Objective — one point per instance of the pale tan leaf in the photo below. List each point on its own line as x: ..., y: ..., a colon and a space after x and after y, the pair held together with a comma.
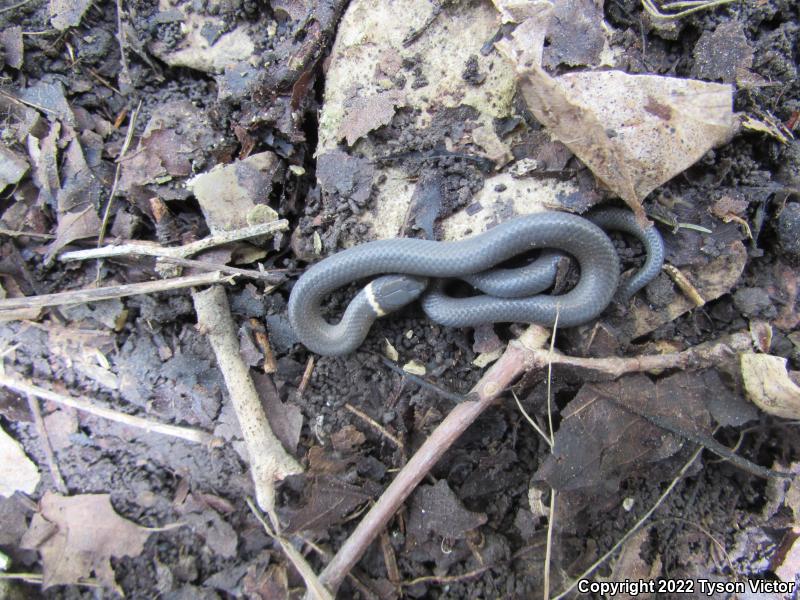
x: 17, y: 472
x: 77, y: 536
x: 768, y: 385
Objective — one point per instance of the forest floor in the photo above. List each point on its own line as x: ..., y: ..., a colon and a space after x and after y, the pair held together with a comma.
x: 113, y: 117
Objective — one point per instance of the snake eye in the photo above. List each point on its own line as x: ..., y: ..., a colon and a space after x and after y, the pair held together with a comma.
x: 393, y: 291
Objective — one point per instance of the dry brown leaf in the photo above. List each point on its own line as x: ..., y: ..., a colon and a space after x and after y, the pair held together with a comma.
x: 77, y: 536
x: 635, y: 132
x: 362, y: 115
x: 769, y: 386
x: 17, y: 472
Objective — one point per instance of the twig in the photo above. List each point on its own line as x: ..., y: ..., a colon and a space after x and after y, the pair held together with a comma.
x: 375, y: 425
x: 121, y: 41
x: 55, y: 472
x: 423, y: 383
x: 306, y: 376
x: 92, y: 407
x: 690, y: 7
x: 13, y: 6
x: 117, y: 172
x: 269, y: 461
x: 262, y: 339
x: 633, y: 529
x: 549, y: 546
x: 17, y: 233
x: 109, y: 292
x: 499, y: 376
x: 705, y: 441
x: 530, y: 420
x: 551, y: 518
x: 686, y: 286
x: 142, y: 248
x: 603, y: 369
x: 312, y: 582
x: 270, y: 276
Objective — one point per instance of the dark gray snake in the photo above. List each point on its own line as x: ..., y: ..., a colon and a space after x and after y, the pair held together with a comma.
x: 509, y: 295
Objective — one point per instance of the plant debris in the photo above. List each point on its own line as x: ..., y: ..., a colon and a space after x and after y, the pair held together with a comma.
x: 78, y: 535
x: 17, y: 471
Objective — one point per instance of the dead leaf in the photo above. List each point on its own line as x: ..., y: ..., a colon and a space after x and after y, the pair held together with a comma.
x: 17, y: 471
x: 629, y: 565
x: 576, y: 34
x: 67, y: 13
x: 176, y: 136
x: 349, y: 176
x: 49, y: 98
x: 722, y: 54
x: 347, y: 439
x: 363, y: 114
x: 436, y: 509
x: 635, y: 132
x: 74, y: 226
x: 11, y: 45
x: 328, y: 501
x: 77, y: 536
x: 285, y: 418
x: 12, y: 167
x: 208, y: 45
x: 599, y: 442
x: 769, y: 386
x: 228, y: 194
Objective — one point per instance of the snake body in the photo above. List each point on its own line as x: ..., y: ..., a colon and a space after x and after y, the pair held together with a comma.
x: 511, y: 295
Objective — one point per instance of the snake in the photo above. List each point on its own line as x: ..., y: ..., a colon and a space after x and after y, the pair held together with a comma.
x: 406, y: 266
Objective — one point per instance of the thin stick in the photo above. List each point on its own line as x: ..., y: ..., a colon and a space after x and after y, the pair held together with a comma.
x: 499, y: 376
x: 117, y: 172
x: 58, y: 480
x: 549, y: 545
x: 112, y: 291
x: 13, y: 6
x: 18, y: 233
x: 638, y: 525
x: 550, y: 379
x: 653, y: 10
x: 551, y: 519
x: 530, y: 420
x: 270, y: 276
x: 306, y: 376
x: 312, y: 582
x: 375, y: 425
x: 142, y: 248
x: 92, y: 407
x: 269, y: 461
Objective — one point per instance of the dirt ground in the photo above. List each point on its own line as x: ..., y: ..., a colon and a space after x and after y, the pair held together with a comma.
x: 102, y: 100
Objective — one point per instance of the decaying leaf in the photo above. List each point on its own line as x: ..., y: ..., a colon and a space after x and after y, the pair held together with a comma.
x: 436, y: 509
x: 630, y: 566
x: 363, y: 114
x: 77, y: 536
x: 769, y: 385
x: 328, y: 501
x: 599, y: 442
x: 228, y: 194
x: 723, y: 53
x: 635, y: 132
x: 12, y: 167
x: 67, y: 13
x: 11, y: 45
x: 208, y: 44
x: 17, y: 471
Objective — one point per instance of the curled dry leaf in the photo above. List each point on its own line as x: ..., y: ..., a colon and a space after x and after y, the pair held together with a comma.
x: 17, y: 472
x: 635, y: 132
x: 78, y: 535
x: 769, y: 386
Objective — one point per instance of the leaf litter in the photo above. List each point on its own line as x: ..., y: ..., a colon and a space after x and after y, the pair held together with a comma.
x: 77, y: 536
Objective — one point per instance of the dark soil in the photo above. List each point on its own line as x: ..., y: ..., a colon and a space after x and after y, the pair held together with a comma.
x: 485, y: 539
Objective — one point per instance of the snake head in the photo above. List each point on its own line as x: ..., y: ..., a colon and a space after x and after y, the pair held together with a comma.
x: 391, y: 292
